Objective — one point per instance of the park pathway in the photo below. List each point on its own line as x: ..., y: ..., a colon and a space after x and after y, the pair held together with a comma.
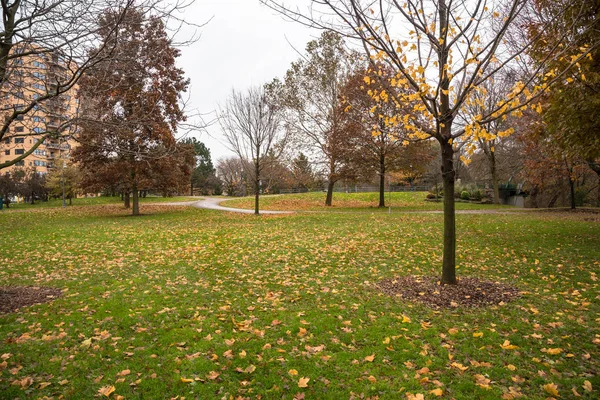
x: 213, y: 203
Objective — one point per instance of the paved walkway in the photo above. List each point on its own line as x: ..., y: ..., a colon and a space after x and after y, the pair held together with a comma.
x: 212, y: 203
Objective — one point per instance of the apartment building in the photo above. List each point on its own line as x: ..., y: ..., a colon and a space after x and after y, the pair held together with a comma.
x: 29, y: 78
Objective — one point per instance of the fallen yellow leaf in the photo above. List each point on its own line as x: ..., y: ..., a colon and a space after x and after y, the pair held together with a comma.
x: 303, y: 382
x: 587, y: 385
x: 106, y: 390
x: 370, y: 358
x: 551, y: 388
x: 507, y: 346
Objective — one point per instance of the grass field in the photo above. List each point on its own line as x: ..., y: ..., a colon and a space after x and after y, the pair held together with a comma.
x: 315, y: 201
x: 92, y: 201
x: 208, y: 305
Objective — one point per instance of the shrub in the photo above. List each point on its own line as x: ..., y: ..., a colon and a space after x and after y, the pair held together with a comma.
x: 464, y: 195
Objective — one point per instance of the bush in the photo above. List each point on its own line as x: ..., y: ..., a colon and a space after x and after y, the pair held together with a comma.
x: 476, y: 195
x: 464, y: 195
x: 580, y: 197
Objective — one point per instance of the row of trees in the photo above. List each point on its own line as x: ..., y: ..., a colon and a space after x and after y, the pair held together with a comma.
x: 323, y: 109
x: 433, y: 65
x: 119, y: 59
x: 29, y: 185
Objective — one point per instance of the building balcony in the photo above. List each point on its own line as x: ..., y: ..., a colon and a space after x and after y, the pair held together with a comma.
x: 57, y: 146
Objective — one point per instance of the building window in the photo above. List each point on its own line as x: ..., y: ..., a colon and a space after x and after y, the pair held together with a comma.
x: 19, y: 140
x: 19, y: 129
x: 38, y: 130
x: 7, y: 152
x: 39, y: 163
x: 39, y: 64
x: 19, y: 151
x: 6, y: 141
x: 20, y: 163
x: 40, y: 152
x: 38, y: 119
x: 39, y: 75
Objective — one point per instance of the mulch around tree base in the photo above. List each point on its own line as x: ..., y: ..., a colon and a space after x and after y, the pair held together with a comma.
x: 469, y: 292
x: 14, y: 297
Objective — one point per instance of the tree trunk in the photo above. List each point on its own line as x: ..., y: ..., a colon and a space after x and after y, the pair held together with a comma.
x: 382, y: 181
x: 494, y: 172
x: 449, y: 261
x: 136, y: 201
x: 191, y: 188
x: 329, y: 198
x: 596, y: 168
x: 256, y: 186
x: 127, y: 201
x: 572, y: 187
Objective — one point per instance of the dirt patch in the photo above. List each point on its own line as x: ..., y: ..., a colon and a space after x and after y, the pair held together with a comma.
x: 14, y: 297
x: 469, y: 292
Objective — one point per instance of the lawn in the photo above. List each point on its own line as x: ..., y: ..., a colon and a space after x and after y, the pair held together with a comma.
x: 89, y: 201
x: 203, y: 304
x: 348, y: 202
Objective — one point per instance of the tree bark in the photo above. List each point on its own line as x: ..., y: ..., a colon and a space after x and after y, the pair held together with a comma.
x: 449, y: 261
x: 382, y: 181
x: 127, y: 201
x: 572, y: 187
x: 135, y: 210
x: 329, y: 198
x: 256, y: 186
x: 494, y: 172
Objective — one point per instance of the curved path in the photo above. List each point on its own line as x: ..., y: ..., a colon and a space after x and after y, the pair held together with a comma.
x: 212, y: 203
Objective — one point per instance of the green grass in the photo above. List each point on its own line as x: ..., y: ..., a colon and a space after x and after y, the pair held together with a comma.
x: 348, y: 202
x: 163, y: 295
x: 92, y: 201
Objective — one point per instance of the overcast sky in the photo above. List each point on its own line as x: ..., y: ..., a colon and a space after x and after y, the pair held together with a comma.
x: 244, y: 44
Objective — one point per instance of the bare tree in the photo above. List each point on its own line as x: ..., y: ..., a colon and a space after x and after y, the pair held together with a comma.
x: 251, y: 126
x: 310, y: 94
x: 232, y: 172
x: 444, y: 50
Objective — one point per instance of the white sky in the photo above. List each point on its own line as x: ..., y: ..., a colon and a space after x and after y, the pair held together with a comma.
x: 244, y: 44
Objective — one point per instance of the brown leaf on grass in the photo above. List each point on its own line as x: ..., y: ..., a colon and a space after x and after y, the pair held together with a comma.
x: 212, y: 375
x: 106, y: 390
x: 303, y: 382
